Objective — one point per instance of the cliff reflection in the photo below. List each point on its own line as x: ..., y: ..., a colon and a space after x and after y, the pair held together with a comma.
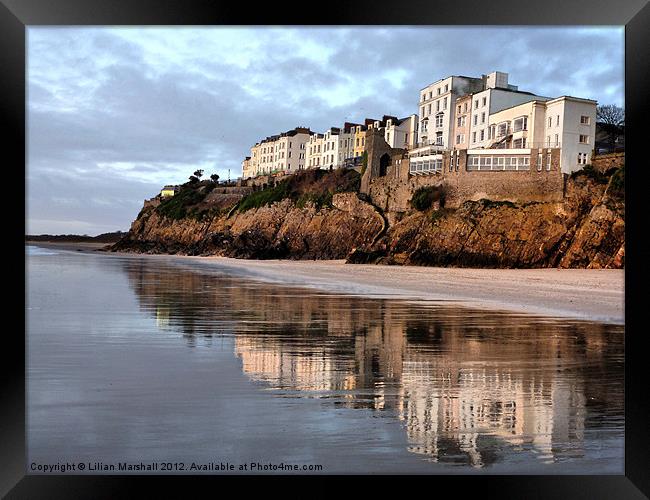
x: 465, y: 383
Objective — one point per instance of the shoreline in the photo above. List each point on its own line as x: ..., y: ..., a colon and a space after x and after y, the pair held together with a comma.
x: 583, y: 294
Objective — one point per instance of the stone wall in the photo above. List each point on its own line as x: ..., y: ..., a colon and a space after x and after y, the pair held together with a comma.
x: 393, y: 192
x: 607, y: 161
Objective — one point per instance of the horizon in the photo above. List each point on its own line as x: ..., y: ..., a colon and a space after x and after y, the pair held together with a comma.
x: 116, y: 113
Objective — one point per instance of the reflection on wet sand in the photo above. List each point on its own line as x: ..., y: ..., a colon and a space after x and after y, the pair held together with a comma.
x: 467, y: 384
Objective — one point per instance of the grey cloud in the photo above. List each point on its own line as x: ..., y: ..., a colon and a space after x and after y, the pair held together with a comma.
x: 96, y: 98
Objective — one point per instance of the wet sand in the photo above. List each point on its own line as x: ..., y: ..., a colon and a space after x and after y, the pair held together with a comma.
x: 588, y: 294
x: 75, y: 246
x: 591, y: 294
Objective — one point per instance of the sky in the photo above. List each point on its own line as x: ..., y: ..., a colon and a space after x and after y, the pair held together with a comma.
x: 114, y: 113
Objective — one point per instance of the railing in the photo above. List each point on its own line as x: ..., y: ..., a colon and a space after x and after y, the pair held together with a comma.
x: 423, y: 167
x: 529, y: 145
x: 428, y: 142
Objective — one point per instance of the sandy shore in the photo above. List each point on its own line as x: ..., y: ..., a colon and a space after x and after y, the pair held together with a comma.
x: 588, y: 294
x: 81, y: 246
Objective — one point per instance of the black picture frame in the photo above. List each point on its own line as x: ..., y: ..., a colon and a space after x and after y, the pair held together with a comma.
x: 17, y: 15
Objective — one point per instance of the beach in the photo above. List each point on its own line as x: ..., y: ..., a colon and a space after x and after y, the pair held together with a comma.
x: 591, y: 294
x: 355, y: 368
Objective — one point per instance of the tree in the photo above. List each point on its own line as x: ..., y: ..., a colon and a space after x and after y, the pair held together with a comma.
x: 215, y: 177
x: 611, y: 119
x: 610, y: 114
x: 198, y: 173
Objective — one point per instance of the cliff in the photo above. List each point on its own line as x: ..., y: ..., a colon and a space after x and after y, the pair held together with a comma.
x: 320, y: 215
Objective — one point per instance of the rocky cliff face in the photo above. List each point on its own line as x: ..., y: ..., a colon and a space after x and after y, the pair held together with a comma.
x: 282, y: 230
x: 586, y: 230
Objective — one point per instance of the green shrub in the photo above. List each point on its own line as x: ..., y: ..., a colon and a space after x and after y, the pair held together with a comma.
x: 425, y: 196
x: 314, y: 185
x: 617, y: 182
x: 590, y: 172
x: 318, y: 199
x: 175, y: 207
x: 266, y: 196
x: 439, y: 214
x: 493, y: 204
x: 364, y: 162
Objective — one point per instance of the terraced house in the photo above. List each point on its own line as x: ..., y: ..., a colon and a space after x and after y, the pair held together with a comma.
x: 477, y: 123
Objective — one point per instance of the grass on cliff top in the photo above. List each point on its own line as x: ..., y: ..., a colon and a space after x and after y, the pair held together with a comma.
x: 316, y: 186
x: 180, y: 205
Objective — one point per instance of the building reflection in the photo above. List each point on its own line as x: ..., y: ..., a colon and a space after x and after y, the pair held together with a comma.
x: 466, y: 384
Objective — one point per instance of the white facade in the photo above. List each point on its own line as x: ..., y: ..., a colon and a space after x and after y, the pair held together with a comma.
x: 401, y: 133
x: 573, y: 121
x: 330, y: 156
x: 346, y: 146
x: 279, y: 153
x: 314, y: 151
x: 568, y: 123
x: 437, y: 108
x: 290, y: 152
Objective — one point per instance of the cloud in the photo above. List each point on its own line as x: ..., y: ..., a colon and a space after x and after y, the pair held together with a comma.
x: 114, y: 113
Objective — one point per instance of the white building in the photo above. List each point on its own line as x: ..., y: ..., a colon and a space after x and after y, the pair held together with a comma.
x: 566, y: 122
x: 437, y: 108
x: 401, y: 132
x: 289, y: 150
x: 572, y: 121
x: 497, y: 95
x: 314, y: 153
x: 346, y: 144
x: 330, y: 156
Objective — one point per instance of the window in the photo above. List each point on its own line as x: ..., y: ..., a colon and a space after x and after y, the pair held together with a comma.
x: 473, y: 136
x: 520, y: 123
x: 540, y: 161
x: 444, y: 103
x: 422, y: 111
x: 439, y: 138
x: 557, y: 121
x: 484, y: 101
x: 517, y: 144
x: 482, y: 135
x: 475, y: 119
x: 447, y: 88
x: 459, y: 110
x: 429, y: 109
x: 584, y: 120
x: 458, y: 122
x: 465, y: 106
x: 584, y: 139
x: 548, y: 140
x: 483, y: 117
x: 458, y: 139
x: 437, y: 105
x: 550, y: 121
x: 582, y: 158
x: 439, y: 117
x: 503, y: 129
x: 557, y: 140
x: 438, y: 90
x: 476, y: 104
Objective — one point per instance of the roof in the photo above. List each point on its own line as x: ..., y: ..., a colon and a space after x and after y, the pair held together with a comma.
x: 452, y: 76
x: 571, y: 98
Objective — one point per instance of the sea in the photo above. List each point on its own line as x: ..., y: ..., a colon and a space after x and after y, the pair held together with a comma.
x: 153, y: 365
